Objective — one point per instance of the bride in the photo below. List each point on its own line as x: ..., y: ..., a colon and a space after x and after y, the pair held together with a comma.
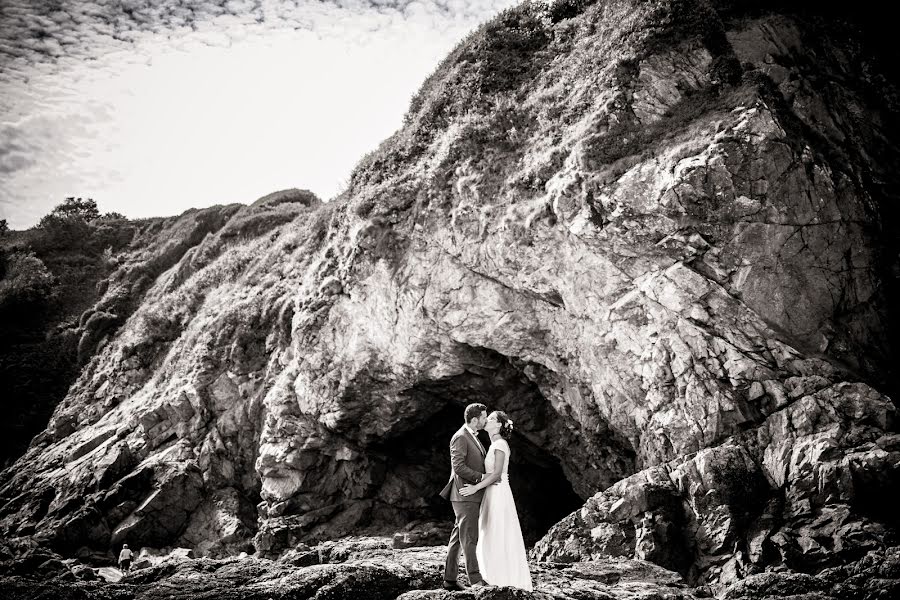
x: 500, y: 549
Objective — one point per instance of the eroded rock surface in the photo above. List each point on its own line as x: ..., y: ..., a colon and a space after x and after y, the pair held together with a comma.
x: 658, y: 235
x: 796, y: 492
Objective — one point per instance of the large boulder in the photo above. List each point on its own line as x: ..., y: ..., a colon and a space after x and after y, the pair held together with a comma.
x: 809, y: 488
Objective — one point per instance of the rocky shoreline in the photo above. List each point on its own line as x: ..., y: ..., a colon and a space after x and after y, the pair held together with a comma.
x: 371, y: 569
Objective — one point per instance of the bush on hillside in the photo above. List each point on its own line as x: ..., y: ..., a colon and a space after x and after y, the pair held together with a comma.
x: 504, y: 50
x: 161, y: 325
x: 114, y: 234
x: 67, y: 225
x: 497, y: 57
x: 58, y: 233
x: 26, y: 281
x: 566, y: 9
x: 77, y: 225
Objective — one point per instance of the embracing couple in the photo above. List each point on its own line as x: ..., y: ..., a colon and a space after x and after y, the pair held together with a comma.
x: 487, y: 524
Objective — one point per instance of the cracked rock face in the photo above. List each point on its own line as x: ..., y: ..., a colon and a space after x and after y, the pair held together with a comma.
x: 798, y: 490
x: 661, y: 244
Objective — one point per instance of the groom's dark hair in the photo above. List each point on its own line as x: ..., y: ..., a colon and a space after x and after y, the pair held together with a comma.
x: 473, y: 410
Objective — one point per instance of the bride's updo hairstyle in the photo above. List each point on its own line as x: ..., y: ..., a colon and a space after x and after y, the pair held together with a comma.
x: 506, y: 424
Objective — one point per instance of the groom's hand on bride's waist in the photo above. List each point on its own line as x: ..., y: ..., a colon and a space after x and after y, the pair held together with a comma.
x: 467, y: 490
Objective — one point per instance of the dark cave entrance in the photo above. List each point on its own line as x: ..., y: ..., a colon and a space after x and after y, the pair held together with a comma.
x: 547, y: 449
x: 542, y: 492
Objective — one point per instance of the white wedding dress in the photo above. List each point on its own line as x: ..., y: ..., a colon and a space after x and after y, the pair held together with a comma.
x: 500, y: 549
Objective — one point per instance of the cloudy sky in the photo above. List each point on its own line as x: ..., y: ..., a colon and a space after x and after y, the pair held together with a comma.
x: 154, y: 106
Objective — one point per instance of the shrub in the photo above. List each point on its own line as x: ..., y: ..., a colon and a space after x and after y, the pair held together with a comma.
x: 161, y: 325
x: 27, y: 281
x: 566, y: 9
x: 77, y: 225
x: 112, y: 234
x: 497, y: 57
x: 58, y: 232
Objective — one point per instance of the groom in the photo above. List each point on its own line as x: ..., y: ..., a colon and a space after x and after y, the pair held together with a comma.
x: 467, y: 461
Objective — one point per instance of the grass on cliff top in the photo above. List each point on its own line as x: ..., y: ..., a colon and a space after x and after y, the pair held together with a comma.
x: 525, y: 45
x: 509, y: 55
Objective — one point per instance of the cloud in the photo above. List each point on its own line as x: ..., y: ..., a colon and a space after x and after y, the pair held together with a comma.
x: 152, y: 107
x: 18, y: 150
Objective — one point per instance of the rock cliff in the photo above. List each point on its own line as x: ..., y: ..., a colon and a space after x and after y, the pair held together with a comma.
x: 659, y: 235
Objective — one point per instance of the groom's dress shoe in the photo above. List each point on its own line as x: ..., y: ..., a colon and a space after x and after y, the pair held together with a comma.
x: 479, y: 584
x: 453, y: 586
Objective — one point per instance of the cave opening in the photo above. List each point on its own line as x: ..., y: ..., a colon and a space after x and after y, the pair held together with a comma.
x: 546, y: 473
x: 542, y: 492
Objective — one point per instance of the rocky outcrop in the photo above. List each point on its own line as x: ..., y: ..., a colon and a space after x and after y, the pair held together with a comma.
x: 655, y: 234
x: 152, y: 493
x: 99, y: 273
x: 809, y: 487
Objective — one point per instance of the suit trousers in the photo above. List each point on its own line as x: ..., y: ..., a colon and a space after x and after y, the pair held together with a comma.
x: 464, y: 535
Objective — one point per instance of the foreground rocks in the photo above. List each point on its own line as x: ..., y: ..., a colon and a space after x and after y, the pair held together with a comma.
x: 367, y: 568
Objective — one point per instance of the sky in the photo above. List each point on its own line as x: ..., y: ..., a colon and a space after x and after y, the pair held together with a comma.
x: 151, y: 107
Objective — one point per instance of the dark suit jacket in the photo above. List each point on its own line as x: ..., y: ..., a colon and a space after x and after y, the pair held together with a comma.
x: 467, y: 466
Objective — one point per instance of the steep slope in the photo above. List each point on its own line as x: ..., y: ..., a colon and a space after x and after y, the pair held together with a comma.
x: 658, y: 234
x: 59, y: 322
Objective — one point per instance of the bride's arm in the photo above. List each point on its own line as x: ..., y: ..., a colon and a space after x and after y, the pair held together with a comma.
x: 490, y: 478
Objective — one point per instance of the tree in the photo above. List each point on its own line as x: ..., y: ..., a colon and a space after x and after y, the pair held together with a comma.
x: 77, y: 225
x: 68, y: 225
x: 4, y: 227
x: 73, y: 209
